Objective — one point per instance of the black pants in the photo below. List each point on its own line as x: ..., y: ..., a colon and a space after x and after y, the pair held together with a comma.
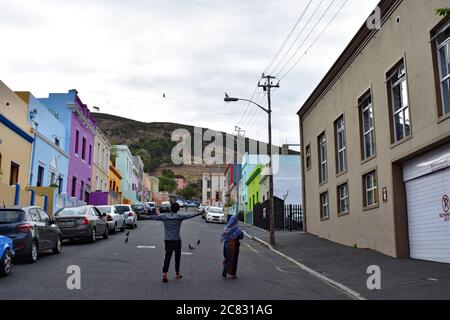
x: 172, y: 246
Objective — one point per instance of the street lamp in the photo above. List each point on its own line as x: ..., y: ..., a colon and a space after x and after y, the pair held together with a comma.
x: 271, y: 202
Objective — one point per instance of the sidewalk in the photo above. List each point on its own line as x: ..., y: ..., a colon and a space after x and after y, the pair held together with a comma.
x: 400, y: 278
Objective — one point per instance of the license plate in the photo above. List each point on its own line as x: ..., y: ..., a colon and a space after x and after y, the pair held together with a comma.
x: 66, y: 224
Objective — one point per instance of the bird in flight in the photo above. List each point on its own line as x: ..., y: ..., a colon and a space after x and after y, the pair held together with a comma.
x: 164, y: 95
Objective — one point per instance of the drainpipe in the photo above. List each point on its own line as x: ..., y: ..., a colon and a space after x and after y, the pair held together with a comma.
x: 17, y: 195
x: 33, y: 151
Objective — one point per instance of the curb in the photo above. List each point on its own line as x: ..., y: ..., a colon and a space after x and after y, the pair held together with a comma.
x: 346, y: 290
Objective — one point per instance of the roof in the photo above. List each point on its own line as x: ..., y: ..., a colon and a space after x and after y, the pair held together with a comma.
x: 353, y: 49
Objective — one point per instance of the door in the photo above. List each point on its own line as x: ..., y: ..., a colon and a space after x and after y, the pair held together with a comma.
x: 49, y: 234
x: 14, y: 174
x: 39, y: 229
x: 427, y: 184
x: 101, y: 221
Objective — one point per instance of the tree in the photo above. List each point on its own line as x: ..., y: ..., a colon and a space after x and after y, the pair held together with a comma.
x: 443, y: 12
x: 190, y: 192
x: 167, y: 184
x: 168, y: 173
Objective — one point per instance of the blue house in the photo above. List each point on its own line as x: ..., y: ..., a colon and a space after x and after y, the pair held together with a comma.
x: 50, y: 153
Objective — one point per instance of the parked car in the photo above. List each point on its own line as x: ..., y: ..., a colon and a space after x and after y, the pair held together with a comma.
x: 153, y: 209
x: 192, y: 204
x: 202, y: 209
x: 165, y: 207
x: 31, y: 230
x: 6, y: 256
x: 85, y: 222
x: 181, y: 203
x: 128, y: 214
x: 114, y: 219
x: 215, y: 214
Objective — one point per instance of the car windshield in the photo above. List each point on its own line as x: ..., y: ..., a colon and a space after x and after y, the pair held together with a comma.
x: 68, y: 212
x: 104, y: 209
x: 122, y: 209
x: 216, y: 210
x: 13, y: 216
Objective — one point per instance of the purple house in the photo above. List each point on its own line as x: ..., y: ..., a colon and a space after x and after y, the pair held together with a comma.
x: 80, y: 126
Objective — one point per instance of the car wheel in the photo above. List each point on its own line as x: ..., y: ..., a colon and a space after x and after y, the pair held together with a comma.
x: 93, y: 237
x: 6, y: 264
x: 33, y: 254
x: 114, y: 231
x: 106, y: 234
x: 57, y: 249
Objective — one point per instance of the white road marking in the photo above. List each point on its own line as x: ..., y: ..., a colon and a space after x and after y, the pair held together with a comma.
x: 353, y: 294
x: 186, y: 254
x: 433, y: 279
x: 146, y: 247
x: 251, y: 248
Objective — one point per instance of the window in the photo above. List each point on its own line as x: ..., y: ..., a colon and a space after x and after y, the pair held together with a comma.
x: 77, y: 141
x: 308, y: 157
x: 343, y: 199
x: 324, y: 207
x: 52, y: 178
x: 83, y: 149
x: 81, y: 190
x: 323, y: 165
x: 341, y: 146
x: 443, y: 48
x: 14, y: 174
x: 90, y: 154
x: 60, y: 185
x: 367, y: 127
x: 399, y: 106
x: 74, y: 187
x: 43, y: 216
x: 40, y: 177
x: 370, y: 189
x: 98, y: 152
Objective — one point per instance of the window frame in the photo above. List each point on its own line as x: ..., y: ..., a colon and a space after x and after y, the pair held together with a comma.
x: 394, y: 72
x: 337, y: 131
x: 374, y: 189
x: 77, y: 142
x: 339, y: 199
x: 443, y: 79
x: 363, y: 132
x: 324, y: 205
x: 323, y: 158
x: 308, y: 157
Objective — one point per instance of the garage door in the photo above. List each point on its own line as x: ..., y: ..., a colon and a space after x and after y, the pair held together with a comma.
x: 427, y: 182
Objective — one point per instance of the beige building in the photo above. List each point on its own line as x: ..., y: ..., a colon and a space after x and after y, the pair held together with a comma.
x: 375, y: 136
x: 100, y: 169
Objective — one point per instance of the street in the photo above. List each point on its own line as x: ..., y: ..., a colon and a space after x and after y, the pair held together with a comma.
x: 114, y: 270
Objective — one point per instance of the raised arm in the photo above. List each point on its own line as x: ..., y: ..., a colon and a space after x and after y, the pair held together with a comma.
x: 154, y: 218
x: 189, y: 216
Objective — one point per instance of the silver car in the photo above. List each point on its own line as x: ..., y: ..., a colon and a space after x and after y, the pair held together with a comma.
x: 128, y: 214
x: 115, y: 220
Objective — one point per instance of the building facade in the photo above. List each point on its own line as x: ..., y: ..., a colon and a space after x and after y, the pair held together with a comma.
x: 15, y: 139
x: 81, y: 128
x: 213, y: 189
x: 124, y: 163
x: 100, y: 169
x: 375, y: 134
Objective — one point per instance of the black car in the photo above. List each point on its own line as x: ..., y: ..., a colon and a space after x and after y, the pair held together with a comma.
x: 31, y: 230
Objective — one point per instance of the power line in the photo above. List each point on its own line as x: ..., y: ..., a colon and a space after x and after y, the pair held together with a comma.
x: 307, y: 37
x: 289, y: 35
x: 298, y: 36
x: 248, y: 106
x: 315, y: 41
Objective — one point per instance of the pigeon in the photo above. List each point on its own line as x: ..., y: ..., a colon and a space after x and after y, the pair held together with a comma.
x: 126, y: 240
x: 164, y: 95
x: 191, y: 247
x: 198, y: 242
x: 128, y: 233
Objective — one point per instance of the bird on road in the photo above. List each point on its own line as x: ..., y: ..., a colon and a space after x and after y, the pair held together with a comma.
x: 191, y: 247
x: 198, y: 242
x: 128, y: 233
x: 126, y: 240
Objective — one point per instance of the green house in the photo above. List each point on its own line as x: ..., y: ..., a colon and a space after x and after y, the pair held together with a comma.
x: 253, y: 186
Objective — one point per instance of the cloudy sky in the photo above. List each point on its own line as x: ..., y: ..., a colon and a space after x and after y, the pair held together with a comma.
x: 122, y: 56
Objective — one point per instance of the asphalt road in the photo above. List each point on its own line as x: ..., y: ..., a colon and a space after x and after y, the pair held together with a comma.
x: 115, y: 270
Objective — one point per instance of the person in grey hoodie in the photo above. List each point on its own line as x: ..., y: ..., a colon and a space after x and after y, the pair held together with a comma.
x: 172, y: 225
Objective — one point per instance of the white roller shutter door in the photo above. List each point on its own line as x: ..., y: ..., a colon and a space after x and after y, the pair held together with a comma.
x: 427, y: 182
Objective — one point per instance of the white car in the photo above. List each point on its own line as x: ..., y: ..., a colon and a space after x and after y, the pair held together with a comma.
x: 115, y: 220
x: 215, y: 214
x: 128, y: 214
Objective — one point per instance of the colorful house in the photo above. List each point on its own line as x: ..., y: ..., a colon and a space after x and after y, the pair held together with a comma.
x: 249, y: 163
x: 15, y: 144
x: 253, y: 187
x: 114, y: 182
x: 233, y: 176
x: 123, y: 161
x: 100, y: 170
x: 139, y: 165
x: 81, y: 126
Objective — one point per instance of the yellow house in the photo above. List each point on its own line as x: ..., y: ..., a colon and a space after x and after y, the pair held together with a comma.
x: 100, y: 169
x: 15, y: 139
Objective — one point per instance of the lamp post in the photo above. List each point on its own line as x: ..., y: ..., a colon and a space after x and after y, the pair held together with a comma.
x: 268, y: 111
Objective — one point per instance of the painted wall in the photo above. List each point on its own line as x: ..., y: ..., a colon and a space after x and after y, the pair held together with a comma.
x: 253, y: 188
x: 124, y: 163
x: 51, y: 148
x: 100, y: 169
x: 76, y: 117
x: 15, y: 135
x: 115, y: 178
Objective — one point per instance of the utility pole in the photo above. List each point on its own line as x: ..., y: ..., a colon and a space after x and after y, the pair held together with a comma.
x: 238, y: 132
x: 267, y: 87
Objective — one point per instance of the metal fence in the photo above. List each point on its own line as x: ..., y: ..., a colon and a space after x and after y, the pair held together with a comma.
x: 287, y: 217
